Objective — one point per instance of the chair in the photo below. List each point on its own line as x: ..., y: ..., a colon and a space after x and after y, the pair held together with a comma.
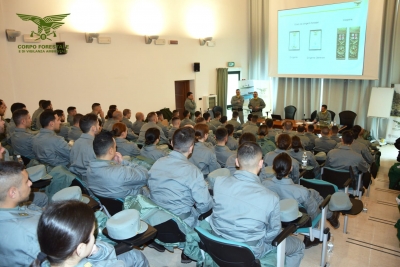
x: 333, y: 114
x: 343, y: 180
x: 290, y: 111
x: 226, y: 253
x: 217, y: 108
x: 313, y: 115
x: 112, y: 205
x: 169, y: 232
x: 347, y: 118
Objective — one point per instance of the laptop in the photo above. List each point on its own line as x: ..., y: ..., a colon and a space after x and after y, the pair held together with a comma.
x: 276, y: 117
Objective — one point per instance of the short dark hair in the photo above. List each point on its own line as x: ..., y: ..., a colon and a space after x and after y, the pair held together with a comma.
x: 220, y: 134
x: 300, y: 128
x: 69, y: 109
x: 112, y: 107
x: 41, y: 103
x: 284, y: 141
x: 229, y: 128
x: 247, y: 137
x: 347, y: 137
x: 151, y: 115
x: 254, y: 118
x: 175, y: 111
x: 310, y: 128
x: 126, y: 112
x: 288, y: 125
x: 188, y: 94
x: 19, y: 115
x: 325, y: 130
x: 94, y: 105
x: 356, y: 131
x: 269, y: 123
x: 46, y: 104
x: 235, y: 114
x: 110, y: 113
x: 249, y: 154
x: 183, y: 139
x: 151, y: 135
x: 223, y: 119
x: 59, y: 112
x: 16, y: 106
x: 296, y: 143
x: 197, y: 113
x: 200, y: 119
x: 46, y: 117
x: 159, y: 113
x: 102, y: 143
x: 206, y: 115
x: 10, y: 175
x: 86, y: 122
x: 325, y: 106
x: 174, y: 119
x: 249, y: 117
x: 281, y: 165
x: 217, y: 114
x: 263, y: 130
x: 335, y: 129
x: 78, y: 117
x: 185, y: 113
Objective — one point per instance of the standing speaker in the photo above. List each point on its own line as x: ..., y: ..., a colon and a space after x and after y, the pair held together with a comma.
x: 196, y: 67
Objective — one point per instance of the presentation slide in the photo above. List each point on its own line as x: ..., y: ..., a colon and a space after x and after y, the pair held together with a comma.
x: 328, y: 39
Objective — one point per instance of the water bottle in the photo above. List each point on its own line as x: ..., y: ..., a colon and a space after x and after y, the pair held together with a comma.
x: 330, y: 245
x: 330, y: 252
x: 304, y: 160
x: 19, y: 160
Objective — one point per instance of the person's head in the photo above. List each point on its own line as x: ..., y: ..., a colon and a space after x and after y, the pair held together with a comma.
x: 324, y: 108
x: 310, y: 128
x: 71, y: 111
x: 247, y: 137
x: 139, y: 116
x: 117, y: 115
x: 41, y: 103
x: 262, y: 130
x: 235, y: 114
x: 77, y: 119
x: 176, y: 122
x: 17, y: 106
x: 21, y: 118
x: 334, y: 129
x: 66, y: 232
x: 15, y: 185
x: 88, y: 123
x: 110, y: 113
x: 197, y: 114
x: 200, y: 120
x: 160, y: 116
x: 186, y: 114
x: 127, y: 113
x: 254, y: 118
x: 255, y: 94
x: 296, y: 143
x: 269, y: 123
x: 114, y: 107
x: 284, y: 141
x: 301, y: 129
x: 119, y: 130
x: 356, y: 131
x: 96, y: 108
x: 288, y: 125
x: 201, y: 132
x: 47, y: 105
x: 50, y: 120
x: 189, y: 95
x: 104, y: 145
x: 223, y: 119
x: 183, y: 140
x: 3, y: 108
x: 249, y: 157
x: 152, y: 136
x: 249, y: 117
x: 238, y: 92
x: 325, y: 131
x: 175, y: 113
x: 230, y: 129
x: 221, y: 135
x: 282, y: 165
x: 206, y: 116
x: 60, y: 114
x: 347, y: 137
x: 217, y: 115
x: 152, y: 117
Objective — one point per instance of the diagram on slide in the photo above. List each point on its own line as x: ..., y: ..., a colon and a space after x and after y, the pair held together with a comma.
x: 315, y: 40
x: 294, y: 40
x: 341, y: 43
x: 354, y: 43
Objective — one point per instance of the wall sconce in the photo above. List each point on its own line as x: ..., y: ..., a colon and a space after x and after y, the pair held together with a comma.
x: 90, y: 36
x: 12, y: 34
x: 148, y: 39
x: 205, y: 40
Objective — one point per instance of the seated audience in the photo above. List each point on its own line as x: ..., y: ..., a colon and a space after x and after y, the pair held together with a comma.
x: 186, y: 119
x: 287, y: 129
x: 223, y: 121
x: 71, y: 113
x: 126, y: 118
x: 45, y: 105
x: 178, y: 185
x: 211, y: 126
x: 272, y: 132
x: 10, y: 126
x: 21, y: 139
x: 325, y: 143
x: 115, y: 116
x: 216, y: 121
x: 334, y: 134
x: 240, y: 213
x: 360, y: 139
x: 96, y: 110
x: 159, y: 123
x: 310, y: 134
x: 137, y: 125
x: 36, y: 114
x: 221, y: 150
x: 197, y: 115
x: 305, y: 141
x: 232, y: 143
x: 111, y: 176
x: 361, y: 148
x: 248, y: 120
x: 263, y: 141
x: 252, y: 126
x: 210, y: 141
x: 296, y: 152
x: 75, y: 131
x: 47, y: 146
x: 234, y: 121
x: 152, y: 123
x: 126, y: 148
x: 64, y: 127
x: 175, y: 122
x: 231, y: 161
x: 150, y: 149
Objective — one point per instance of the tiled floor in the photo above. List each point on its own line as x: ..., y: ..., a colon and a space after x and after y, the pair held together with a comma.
x: 371, y: 239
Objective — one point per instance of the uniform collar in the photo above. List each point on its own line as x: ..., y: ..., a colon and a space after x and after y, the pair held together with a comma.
x: 282, y: 181
x: 44, y: 130
x: 86, y: 136
x: 178, y: 155
x: 246, y: 176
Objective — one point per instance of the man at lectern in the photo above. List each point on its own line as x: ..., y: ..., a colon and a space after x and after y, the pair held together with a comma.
x: 324, y: 116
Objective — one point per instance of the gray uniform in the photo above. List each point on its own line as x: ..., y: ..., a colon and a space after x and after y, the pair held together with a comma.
x: 232, y: 143
x: 251, y: 128
x: 272, y: 133
x: 342, y: 157
x: 186, y: 121
x: 211, y: 127
x: 177, y: 185
x: 336, y: 138
x: 215, y: 122
x: 269, y: 158
x: 109, y: 179
x: 204, y: 158
x: 240, y: 215
x: 236, y: 125
x: 38, y: 125
x: 70, y: 119
x: 253, y: 103
x: 324, y: 144
x: 312, y: 138
x: 127, y: 122
x: 21, y: 141
x: 266, y: 145
x: 81, y: 154
x: 222, y: 153
x: 127, y: 148
x: 35, y: 115
x: 145, y: 127
x: 74, y: 133
x: 50, y: 148
x: 164, y: 128
x: 308, y: 198
x: 364, y: 151
x: 290, y: 133
x: 152, y: 152
x: 190, y: 105
x: 10, y: 128
x: 109, y: 124
x: 324, y: 118
x: 311, y: 161
x: 137, y: 125
x: 64, y: 130
x: 237, y: 105
x: 305, y: 141
x: 171, y: 132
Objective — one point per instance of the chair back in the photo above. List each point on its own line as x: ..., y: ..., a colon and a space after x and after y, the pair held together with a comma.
x: 313, y: 115
x: 217, y: 108
x: 168, y: 232
x: 78, y: 182
x: 226, y: 253
x: 336, y: 177
x: 333, y: 114
x: 113, y: 205
x: 322, y: 187
x: 347, y: 117
x: 290, y: 111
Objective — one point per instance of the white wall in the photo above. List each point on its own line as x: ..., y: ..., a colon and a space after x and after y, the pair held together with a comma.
x: 127, y: 72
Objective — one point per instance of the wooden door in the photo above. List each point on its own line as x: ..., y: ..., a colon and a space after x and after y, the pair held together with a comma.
x: 181, y: 89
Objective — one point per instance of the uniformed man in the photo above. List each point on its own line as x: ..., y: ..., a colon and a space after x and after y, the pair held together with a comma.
x: 190, y: 104
x: 111, y: 176
x: 263, y: 141
x: 186, y: 119
x: 175, y: 121
x: 47, y: 146
x: 256, y: 105
x: 126, y: 119
x: 221, y: 150
x: 237, y: 105
x: 159, y: 123
x: 271, y: 131
x: 239, y: 214
x: 234, y: 122
x: 152, y: 123
x: 207, y: 117
x: 10, y: 126
x: 305, y: 141
x: 75, y: 131
x: 176, y: 184
x: 21, y: 139
x: 96, y: 110
x: 334, y: 134
x: 36, y: 114
x: 137, y: 125
x: 64, y: 126
x: 311, y: 135
x: 231, y: 143
x: 324, y: 143
x: 323, y: 116
x: 46, y: 104
x: 150, y: 149
x: 71, y: 113
x: 251, y: 127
